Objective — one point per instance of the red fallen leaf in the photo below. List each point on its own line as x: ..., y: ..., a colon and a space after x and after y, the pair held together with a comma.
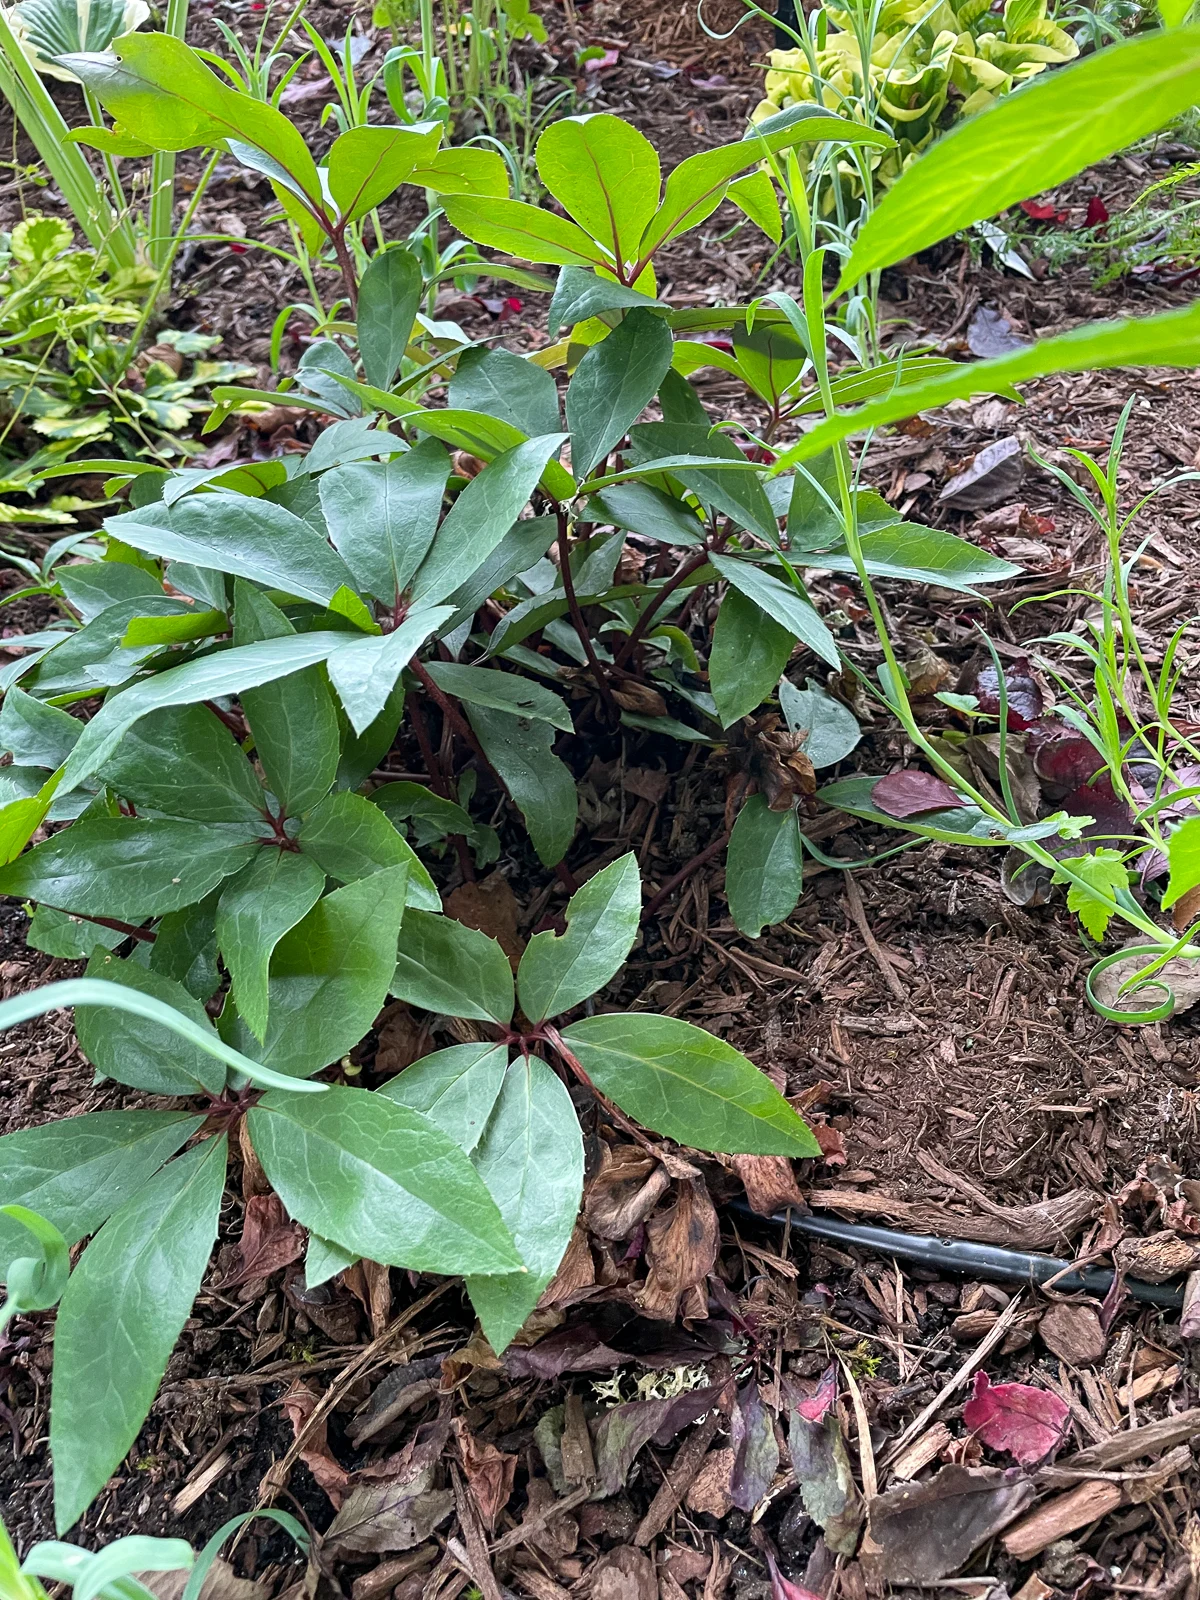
x: 1097, y: 212
x: 783, y: 1588
x: 833, y: 1146
x: 1062, y: 758
x: 1026, y: 701
x: 238, y: 249
x: 907, y: 793
x: 1028, y: 1423
x: 814, y: 1406
x: 1040, y: 211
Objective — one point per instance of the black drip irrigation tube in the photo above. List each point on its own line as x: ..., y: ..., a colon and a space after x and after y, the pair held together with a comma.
x: 974, y: 1260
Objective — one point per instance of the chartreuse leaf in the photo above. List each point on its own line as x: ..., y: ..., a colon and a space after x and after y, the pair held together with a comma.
x: 184, y: 761
x: 328, y: 977
x: 749, y: 653
x: 558, y: 971
x: 524, y: 231
x: 1173, y: 12
x: 366, y: 164
x: 256, y: 909
x: 614, y: 383
x: 1025, y: 144
x: 463, y: 171
x: 118, y: 1321
x: 35, y: 1283
x: 444, y: 966
x: 541, y: 785
x: 781, y: 602
x: 20, y: 819
x: 538, y: 1197
x: 502, y: 691
x: 293, y: 719
x: 482, y: 515
x: 381, y: 1180
x: 225, y: 672
x: 365, y: 671
x: 1183, y: 855
x: 76, y: 1172
x: 688, y: 1085
x: 455, y: 1088
x: 139, y: 1051
x: 1104, y: 870
x: 253, y: 539
x: 1171, y: 339
x: 382, y: 515
x: 605, y: 174
x: 755, y: 195
x: 129, y: 867
x: 764, y: 869
x: 389, y: 297
x: 350, y: 838
x: 506, y: 385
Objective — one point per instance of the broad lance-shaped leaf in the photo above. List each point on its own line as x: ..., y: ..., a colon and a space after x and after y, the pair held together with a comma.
x: 142, y: 1053
x: 184, y: 761
x: 256, y: 909
x: 1023, y: 145
x: 1171, y: 339
x: 538, y: 1197
x: 76, y: 1172
x: 350, y: 837
x: 212, y: 677
x: 389, y: 297
x: 749, y: 653
x: 328, y: 977
x: 782, y: 603
x: 481, y: 516
x: 454, y: 1088
x: 524, y: 231
x: 581, y: 294
x: 368, y: 163
x: 764, y: 868
x: 444, y: 966
x: 123, y: 1310
x: 130, y: 867
x: 736, y: 491
x: 613, y: 385
x: 689, y: 1085
x: 506, y: 385
x: 251, y: 538
x: 917, y: 554
x: 541, y: 785
x: 605, y: 174
x: 365, y: 670
x: 382, y: 516
x: 35, y: 734
x: 558, y: 971
x: 502, y: 691
x: 382, y: 1180
x: 293, y: 719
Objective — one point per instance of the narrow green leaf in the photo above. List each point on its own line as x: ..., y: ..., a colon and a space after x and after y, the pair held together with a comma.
x: 382, y: 516
x: 382, y: 1180
x: 764, y: 868
x: 123, y: 1310
x: 454, y: 1088
x: 1029, y: 142
x: 443, y: 966
x: 351, y: 838
x: 538, y: 1197
x: 688, y: 1085
x: 613, y: 384
x: 782, y: 603
x: 559, y: 971
x: 256, y: 909
x: 541, y: 785
x: 502, y: 691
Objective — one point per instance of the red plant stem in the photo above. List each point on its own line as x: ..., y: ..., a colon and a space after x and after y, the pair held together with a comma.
x: 565, y: 1054
x: 612, y: 710
x: 655, y: 605
x: 432, y: 765
x: 684, y: 873
x: 127, y: 928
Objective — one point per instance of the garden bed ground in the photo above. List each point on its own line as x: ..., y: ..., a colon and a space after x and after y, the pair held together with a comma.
x: 937, y: 1031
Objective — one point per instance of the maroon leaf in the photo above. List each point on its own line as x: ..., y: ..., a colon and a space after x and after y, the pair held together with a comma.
x: 783, y: 1588
x: 1062, y: 758
x: 908, y: 793
x: 1026, y: 701
x: 626, y: 1428
x: 755, y: 1449
x: 1097, y: 212
x: 1029, y: 1423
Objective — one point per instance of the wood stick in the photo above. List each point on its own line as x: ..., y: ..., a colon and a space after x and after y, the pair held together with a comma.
x: 681, y: 1474
x: 1087, y: 1503
x: 1129, y: 1444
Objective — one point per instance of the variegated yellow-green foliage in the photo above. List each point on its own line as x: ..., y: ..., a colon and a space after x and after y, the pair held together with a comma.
x: 929, y: 64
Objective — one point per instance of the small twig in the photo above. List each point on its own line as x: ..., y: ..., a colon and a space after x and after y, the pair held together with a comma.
x: 858, y: 912
x: 599, y: 676
x: 684, y: 873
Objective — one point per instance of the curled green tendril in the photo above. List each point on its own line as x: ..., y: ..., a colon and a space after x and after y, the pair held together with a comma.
x: 1136, y: 985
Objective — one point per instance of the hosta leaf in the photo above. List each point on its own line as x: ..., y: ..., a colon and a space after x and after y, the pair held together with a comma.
x: 689, y: 1085
x: 123, y: 1310
x: 78, y: 1171
x: 454, y: 1088
x: 446, y: 967
x: 382, y: 1180
x: 561, y: 971
x: 142, y: 1053
x: 538, y: 1197
x: 129, y: 867
x: 255, y: 910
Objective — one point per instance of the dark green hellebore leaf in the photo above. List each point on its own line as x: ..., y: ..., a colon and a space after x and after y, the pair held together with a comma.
x: 350, y: 838
x: 382, y: 515
x: 541, y: 785
x: 35, y: 734
x: 446, y: 967
x: 749, y: 653
x: 455, y: 1088
x: 184, y: 761
x: 829, y: 729
x: 389, y: 297
x: 256, y: 909
x: 782, y: 603
x: 560, y: 971
x: 365, y: 671
x: 501, y: 691
x: 764, y: 869
x: 505, y: 385
x: 580, y: 294
x: 613, y: 385
x: 141, y: 1053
